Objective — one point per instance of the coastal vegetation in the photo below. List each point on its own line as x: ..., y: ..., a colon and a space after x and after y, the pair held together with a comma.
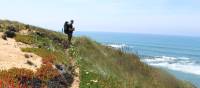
x: 100, y: 66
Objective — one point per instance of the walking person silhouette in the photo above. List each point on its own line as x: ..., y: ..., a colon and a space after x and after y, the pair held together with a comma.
x: 69, y: 29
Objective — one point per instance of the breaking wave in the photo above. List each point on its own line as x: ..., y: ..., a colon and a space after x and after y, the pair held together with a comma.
x: 182, y: 64
x: 118, y: 46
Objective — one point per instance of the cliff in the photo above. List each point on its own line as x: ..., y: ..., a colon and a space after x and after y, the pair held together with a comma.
x: 41, y: 59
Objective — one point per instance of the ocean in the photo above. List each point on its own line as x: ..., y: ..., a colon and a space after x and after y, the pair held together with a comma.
x: 179, y: 55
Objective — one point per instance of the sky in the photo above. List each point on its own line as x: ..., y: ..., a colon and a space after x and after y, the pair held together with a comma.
x: 169, y: 17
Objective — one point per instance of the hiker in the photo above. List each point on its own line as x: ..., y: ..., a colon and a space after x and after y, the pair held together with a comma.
x: 68, y: 29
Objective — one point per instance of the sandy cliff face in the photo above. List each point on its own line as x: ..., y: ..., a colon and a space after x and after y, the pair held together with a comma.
x: 12, y: 56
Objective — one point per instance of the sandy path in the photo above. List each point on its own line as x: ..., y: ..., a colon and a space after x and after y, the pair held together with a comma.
x: 76, y: 82
x: 12, y: 56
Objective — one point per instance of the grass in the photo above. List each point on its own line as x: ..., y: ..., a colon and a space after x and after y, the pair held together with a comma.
x: 27, y: 39
x: 54, y: 56
x: 100, y: 66
x: 115, y: 69
x: 44, y: 47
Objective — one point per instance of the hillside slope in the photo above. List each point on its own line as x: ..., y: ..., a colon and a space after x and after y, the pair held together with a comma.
x: 106, y: 67
x: 55, y: 69
x: 100, y: 66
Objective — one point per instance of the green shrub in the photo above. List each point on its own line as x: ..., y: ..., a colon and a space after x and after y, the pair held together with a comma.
x: 27, y: 39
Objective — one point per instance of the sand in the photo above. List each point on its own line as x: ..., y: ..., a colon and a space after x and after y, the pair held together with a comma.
x: 76, y: 82
x: 11, y: 55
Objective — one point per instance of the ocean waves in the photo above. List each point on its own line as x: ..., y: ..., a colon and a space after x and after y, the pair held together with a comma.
x: 118, y: 46
x: 183, y: 64
x: 149, y: 50
x: 177, y: 63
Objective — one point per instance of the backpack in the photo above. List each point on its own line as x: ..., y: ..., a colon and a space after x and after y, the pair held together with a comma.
x: 66, y: 28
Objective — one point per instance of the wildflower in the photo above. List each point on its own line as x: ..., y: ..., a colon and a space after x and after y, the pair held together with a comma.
x: 95, y: 81
x: 88, y: 84
x: 86, y: 72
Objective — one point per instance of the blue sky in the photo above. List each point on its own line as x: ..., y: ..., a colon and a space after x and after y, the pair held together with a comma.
x: 170, y: 17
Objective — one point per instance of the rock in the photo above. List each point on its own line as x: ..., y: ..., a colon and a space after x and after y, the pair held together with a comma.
x: 29, y: 63
x: 4, y: 37
x: 26, y: 56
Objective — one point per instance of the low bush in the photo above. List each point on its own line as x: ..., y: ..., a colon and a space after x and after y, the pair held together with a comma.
x: 27, y: 39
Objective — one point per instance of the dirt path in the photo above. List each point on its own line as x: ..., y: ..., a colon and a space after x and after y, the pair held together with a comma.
x: 12, y: 56
x: 76, y: 82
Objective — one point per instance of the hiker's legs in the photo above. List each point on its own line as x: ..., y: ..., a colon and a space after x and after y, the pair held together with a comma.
x: 69, y: 38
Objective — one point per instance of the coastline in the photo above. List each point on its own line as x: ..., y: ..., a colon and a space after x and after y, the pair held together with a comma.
x: 119, y: 42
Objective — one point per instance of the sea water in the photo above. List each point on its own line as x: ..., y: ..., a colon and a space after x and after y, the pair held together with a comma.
x: 179, y: 55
